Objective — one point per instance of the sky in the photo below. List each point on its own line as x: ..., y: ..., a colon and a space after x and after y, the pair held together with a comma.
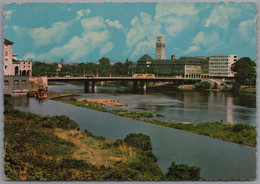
x: 85, y: 32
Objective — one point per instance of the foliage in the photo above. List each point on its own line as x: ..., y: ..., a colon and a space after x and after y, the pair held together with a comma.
x: 182, y: 172
x: 215, y: 86
x: 118, y: 69
x: 244, y: 71
x: 103, y: 68
x: 237, y: 133
x: 34, y: 152
x: 202, y: 85
x: 139, y: 141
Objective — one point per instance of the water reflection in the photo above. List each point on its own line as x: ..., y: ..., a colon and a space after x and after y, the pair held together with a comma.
x: 177, y: 106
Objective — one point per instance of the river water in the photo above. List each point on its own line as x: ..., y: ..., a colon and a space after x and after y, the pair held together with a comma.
x: 217, y: 159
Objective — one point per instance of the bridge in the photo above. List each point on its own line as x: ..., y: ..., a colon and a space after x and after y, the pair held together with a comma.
x: 93, y: 80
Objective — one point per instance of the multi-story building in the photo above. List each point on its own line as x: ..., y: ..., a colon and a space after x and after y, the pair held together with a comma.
x: 12, y: 65
x: 16, y: 71
x: 188, y: 67
x: 216, y: 66
x: 220, y: 65
x: 160, y: 47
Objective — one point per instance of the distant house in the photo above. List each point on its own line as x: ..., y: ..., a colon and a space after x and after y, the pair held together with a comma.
x: 16, y: 71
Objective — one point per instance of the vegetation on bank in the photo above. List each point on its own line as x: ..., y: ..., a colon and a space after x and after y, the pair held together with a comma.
x: 53, y: 148
x: 137, y: 115
x: 237, y: 133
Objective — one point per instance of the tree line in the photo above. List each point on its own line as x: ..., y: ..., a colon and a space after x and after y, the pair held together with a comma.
x: 103, y: 68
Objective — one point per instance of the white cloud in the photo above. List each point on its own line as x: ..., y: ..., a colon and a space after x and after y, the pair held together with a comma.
x: 143, y: 47
x: 192, y: 49
x: 222, y: 16
x: 174, y: 18
x: 179, y: 9
x: 46, y: 36
x: 93, y: 23
x: 82, y: 13
x: 209, y: 42
x: 30, y: 56
x: 141, y: 37
x: 106, y: 48
x: 8, y: 13
x: 115, y: 24
x: 69, y: 9
x: 247, y: 28
x: 95, y: 37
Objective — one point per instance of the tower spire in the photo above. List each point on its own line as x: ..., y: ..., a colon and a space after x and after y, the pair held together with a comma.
x: 160, y: 47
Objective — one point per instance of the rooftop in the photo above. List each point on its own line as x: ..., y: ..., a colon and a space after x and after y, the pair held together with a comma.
x: 8, y: 42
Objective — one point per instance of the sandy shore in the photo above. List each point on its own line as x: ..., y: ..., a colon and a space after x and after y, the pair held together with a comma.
x: 107, y: 102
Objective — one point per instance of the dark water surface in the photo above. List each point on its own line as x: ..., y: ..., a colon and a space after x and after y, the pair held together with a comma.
x: 217, y: 159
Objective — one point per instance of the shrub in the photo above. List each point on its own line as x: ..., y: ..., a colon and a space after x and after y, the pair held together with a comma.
x: 202, y: 85
x: 182, y: 172
x: 139, y: 141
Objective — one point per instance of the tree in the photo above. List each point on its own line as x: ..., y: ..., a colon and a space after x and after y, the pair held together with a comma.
x: 127, y: 65
x: 104, y: 67
x: 118, y: 68
x: 177, y: 172
x: 244, y: 71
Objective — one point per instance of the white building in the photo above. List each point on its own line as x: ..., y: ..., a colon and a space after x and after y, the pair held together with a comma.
x: 12, y: 65
x: 160, y: 47
x: 220, y: 65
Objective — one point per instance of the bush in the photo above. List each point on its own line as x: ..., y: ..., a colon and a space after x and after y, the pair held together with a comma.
x: 202, y: 85
x: 182, y: 172
x: 139, y: 141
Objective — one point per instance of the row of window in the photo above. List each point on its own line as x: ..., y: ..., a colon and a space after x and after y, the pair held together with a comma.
x: 219, y: 67
x: 221, y: 56
x: 219, y: 74
x: 210, y: 60
x: 16, y: 82
x: 218, y: 70
x: 220, y: 63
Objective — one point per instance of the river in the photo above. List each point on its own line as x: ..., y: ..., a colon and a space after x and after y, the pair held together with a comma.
x: 217, y: 159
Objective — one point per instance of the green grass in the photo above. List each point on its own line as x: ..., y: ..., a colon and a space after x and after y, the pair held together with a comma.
x: 237, y: 133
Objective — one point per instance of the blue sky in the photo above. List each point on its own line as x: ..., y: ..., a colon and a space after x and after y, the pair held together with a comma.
x: 80, y: 32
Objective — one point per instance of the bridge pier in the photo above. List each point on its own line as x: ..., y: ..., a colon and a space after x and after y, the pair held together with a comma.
x: 86, y: 87
x: 143, y: 85
x: 135, y: 85
x: 94, y: 87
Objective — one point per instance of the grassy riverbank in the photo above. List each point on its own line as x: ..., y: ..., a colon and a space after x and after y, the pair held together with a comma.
x: 237, y: 133
x: 53, y: 148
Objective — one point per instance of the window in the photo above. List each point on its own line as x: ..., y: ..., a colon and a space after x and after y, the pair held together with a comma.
x: 6, y: 53
x: 6, y: 60
x: 16, y: 82
x: 6, y: 82
x: 23, y: 82
x: 5, y: 66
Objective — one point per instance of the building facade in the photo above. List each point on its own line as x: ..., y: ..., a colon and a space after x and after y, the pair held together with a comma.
x: 186, y: 67
x: 160, y: 47
x: 16, y: 85
x: 220, y: 65
x: 16, y: 72
x: 12, y: 65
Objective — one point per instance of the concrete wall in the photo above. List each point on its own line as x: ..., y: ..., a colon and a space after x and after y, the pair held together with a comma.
x: 16, y: 85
